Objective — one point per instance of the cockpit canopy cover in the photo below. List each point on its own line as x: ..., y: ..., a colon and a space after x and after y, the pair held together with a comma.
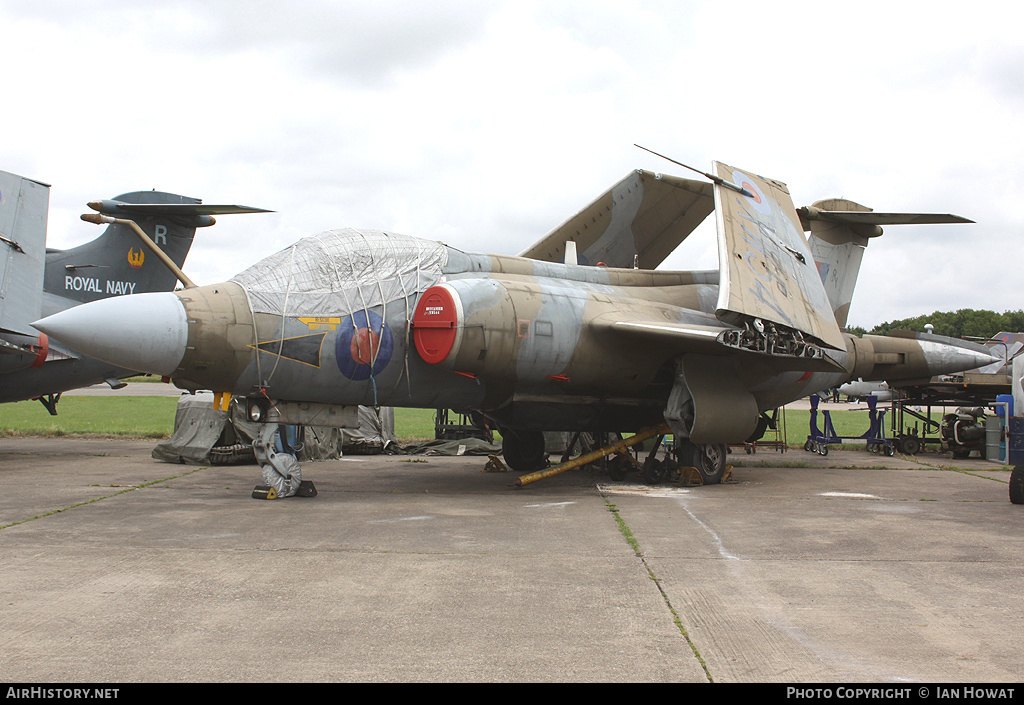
x: 341, y: 271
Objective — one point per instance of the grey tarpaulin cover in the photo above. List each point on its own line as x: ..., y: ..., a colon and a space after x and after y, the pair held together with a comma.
x: 462, y: 446
x: 341, y: 271
x: 376, y: 431
x: 198, y: 428
x: 204, y: 435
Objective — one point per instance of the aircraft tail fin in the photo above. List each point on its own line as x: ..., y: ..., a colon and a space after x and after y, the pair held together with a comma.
x: 23, y: 211
x: 117, y: 262
x: 838, y: 248
x: 839, y: 232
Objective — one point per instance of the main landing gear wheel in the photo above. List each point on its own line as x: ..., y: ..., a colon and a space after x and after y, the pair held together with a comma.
x: 654, y: 471
x: 709, y: 459
x: 618, y: 468
x: 523, y: 450
x: 1017, y: 485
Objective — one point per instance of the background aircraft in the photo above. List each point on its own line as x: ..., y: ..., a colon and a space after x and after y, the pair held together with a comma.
x: 35, y: 280
x: 859, y: 389
x: 23, y: 208
x: 360, y: 317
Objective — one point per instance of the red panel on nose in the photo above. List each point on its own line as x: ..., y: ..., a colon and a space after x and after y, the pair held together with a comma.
x: 434, y: 324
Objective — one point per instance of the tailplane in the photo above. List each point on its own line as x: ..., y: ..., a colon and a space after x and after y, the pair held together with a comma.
x: 839, y: 232
x: 117, y: 262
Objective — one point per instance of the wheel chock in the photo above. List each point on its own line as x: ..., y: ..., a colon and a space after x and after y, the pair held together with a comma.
x: 690, y: 477
x: 494, y: 464
x: 264, y: 492
x: 306, y: 489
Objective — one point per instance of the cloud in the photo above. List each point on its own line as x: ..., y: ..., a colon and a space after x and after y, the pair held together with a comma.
x: 486, y: 123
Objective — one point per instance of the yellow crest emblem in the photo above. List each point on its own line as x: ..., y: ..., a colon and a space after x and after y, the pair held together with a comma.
x: 135, y: 259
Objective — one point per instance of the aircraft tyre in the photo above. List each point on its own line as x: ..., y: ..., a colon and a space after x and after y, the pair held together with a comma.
x: 654, y: 471
x: 1017, y: 485
x: 709, y: 459
x: 618, y: 468
x: 523, y: 450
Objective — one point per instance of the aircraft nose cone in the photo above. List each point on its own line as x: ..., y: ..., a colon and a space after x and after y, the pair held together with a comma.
x: 140, y: 332
x: 949, y: 358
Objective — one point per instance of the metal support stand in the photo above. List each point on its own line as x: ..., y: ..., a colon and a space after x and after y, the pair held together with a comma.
x: 818, y: 441
x: 911, y: 440
x: 50, y: 402
x: 775, y: 433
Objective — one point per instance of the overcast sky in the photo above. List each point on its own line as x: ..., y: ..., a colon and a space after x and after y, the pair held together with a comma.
x: 484, y: 124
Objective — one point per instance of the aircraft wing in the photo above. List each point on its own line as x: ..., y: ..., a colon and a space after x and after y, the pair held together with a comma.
x: 23, y: 209
x: 767, y: 272
x: 643, y: 217
x: 706, y: 340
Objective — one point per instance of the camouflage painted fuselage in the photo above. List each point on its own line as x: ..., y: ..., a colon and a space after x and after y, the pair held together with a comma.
x: 534, y: 345
x: 362, y: 317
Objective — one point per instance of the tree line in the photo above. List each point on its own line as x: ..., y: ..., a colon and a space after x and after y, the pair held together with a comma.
x: 965, y: 323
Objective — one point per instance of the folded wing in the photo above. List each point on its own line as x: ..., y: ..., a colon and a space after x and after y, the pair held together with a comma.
x: 640, y: 220
x: 768, y: 278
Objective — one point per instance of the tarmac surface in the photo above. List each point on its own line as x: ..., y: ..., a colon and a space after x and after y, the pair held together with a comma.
x: 852, y: 567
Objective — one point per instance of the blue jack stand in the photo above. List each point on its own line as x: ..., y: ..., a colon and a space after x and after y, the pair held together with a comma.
x: 874, y: 437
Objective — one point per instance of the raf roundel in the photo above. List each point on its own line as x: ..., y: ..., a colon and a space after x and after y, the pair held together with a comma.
x: 760, y: 203
x: 364, y: 346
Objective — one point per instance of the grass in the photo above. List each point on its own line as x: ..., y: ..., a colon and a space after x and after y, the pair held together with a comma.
x: 142, y: 417
x: 153, y: 417
x: 414, y: 425
x: 137, y: 417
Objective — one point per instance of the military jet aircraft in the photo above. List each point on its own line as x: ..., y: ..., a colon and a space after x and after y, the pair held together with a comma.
x: 35, y: 280
x: 363, y: 317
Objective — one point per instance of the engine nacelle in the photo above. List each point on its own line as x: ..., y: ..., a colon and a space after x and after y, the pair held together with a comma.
x: 467, y: 326
x: 531, y: 332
